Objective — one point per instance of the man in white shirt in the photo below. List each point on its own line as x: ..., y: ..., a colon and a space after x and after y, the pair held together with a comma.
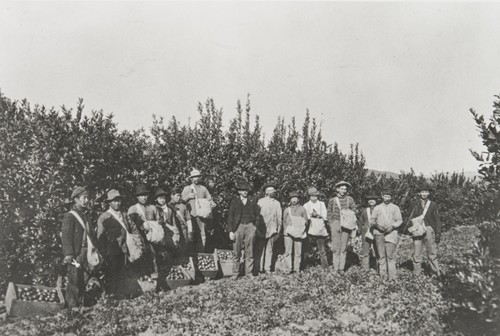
x: 193, y: 194
x: 317, y: 216
x: 386, y: 218
x: 270, y: 210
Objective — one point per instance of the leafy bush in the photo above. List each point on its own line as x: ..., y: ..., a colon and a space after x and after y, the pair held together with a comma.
x: 474, y: 286
x: 314, y: 302
x: 45, y: 153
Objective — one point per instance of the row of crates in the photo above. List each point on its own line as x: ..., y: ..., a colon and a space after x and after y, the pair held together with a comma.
x: 30, y: 300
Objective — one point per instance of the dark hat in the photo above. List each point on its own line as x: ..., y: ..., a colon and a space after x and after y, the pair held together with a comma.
x: 176, y: 190
x: 269, y: 185
x: 294, y: 194
x: 424, y: 186
x: 313, y: 191
x: 78, y: 191
x: 387, y: 191
x: 243, y: 185
x: 371, y: 197
x: 113, y: 194
x: 160, y: 192
x: 141, y: 189
x: 343, y: 183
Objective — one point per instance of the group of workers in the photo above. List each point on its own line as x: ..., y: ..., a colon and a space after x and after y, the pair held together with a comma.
x: 147, y: 237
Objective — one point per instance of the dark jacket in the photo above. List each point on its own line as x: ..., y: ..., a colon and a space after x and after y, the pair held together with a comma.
x: 364, y: 221
x: 235, y: 212
x: 431, y: 217
x: 72, y: 233
x: 111, y: 236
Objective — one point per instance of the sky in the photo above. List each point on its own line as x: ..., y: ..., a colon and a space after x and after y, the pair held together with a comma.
x: 398, y: 78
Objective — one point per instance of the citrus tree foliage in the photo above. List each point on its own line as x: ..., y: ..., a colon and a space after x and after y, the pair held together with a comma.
x: 490, y: 159
x: 45, y: 153
x: 475, y: 281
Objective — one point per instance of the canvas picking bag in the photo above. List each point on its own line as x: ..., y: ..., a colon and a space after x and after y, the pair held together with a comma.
x: 135, y: 245
x: 317, y: 227
x: 202, y: 205
x: 94, y: 258
x: 348, y: 218
x: 418, y: 228
x: 155, y: 232
x: 297, y: 227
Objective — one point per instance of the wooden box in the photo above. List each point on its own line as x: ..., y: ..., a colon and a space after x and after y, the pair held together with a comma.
x: 188, y: 266
x: 21, y: 308
x: 208, y: 273
x: 176, y: 283
x: 225, y: 265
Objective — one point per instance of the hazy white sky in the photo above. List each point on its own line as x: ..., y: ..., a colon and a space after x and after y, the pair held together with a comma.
x: 398, y: 78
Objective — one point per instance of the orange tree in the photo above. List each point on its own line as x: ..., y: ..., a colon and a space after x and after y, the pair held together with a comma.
x: 45, y: 153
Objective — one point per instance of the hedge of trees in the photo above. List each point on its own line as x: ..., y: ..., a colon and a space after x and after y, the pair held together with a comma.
x: 44, y: 153
x: 475, y: 281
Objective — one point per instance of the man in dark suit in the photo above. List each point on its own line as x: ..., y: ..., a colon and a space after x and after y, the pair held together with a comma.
x: 243, y: 222
x: 74, y: 245
x: 432, y: 235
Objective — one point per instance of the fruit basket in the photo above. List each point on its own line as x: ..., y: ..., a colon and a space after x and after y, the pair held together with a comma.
x: 207, y: 264
x: 226, y: 262
x: 29, y: 301
x: 177, y: 277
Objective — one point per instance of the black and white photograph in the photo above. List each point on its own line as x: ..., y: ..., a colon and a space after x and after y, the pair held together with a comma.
x: 235, y: 168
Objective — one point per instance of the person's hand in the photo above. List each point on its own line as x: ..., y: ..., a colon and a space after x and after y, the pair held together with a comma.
x: 231, y: 236
x: 379, y: 227
x: 438, y: 238
x: 389, y: 229
x: 191, y: 195
x: 190, y: 236
x: 68, y: 259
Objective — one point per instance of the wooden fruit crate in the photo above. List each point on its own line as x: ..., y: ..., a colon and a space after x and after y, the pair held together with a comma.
x: 61, y: 282
x: 20, y: 308
x: 147, y: 286
x: 226, y: 266
x: 212, y: 273
x: 190, y: 270
x: 176, y: 283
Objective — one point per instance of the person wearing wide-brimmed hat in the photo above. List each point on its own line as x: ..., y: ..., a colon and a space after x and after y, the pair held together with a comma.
x: 340, y: 234
x: 429, y: 210
x: 200, y: 204
x: 243, y: 219
x: 294, y: 230
x: 385, y: 219
x: 145, y: 216
x: 270, y: 210
x: 112, y: 242
x: 174, y: 225
x: 317, y: 215
x: 74, y: 231
x: 366, y: 231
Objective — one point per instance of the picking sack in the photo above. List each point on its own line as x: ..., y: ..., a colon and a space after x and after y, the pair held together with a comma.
x: 297, y: 227
x: 94, y: 258
x: 135, y: 245
x: 155, y: 233
x: 348, y: 218
x: 418, y: 227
